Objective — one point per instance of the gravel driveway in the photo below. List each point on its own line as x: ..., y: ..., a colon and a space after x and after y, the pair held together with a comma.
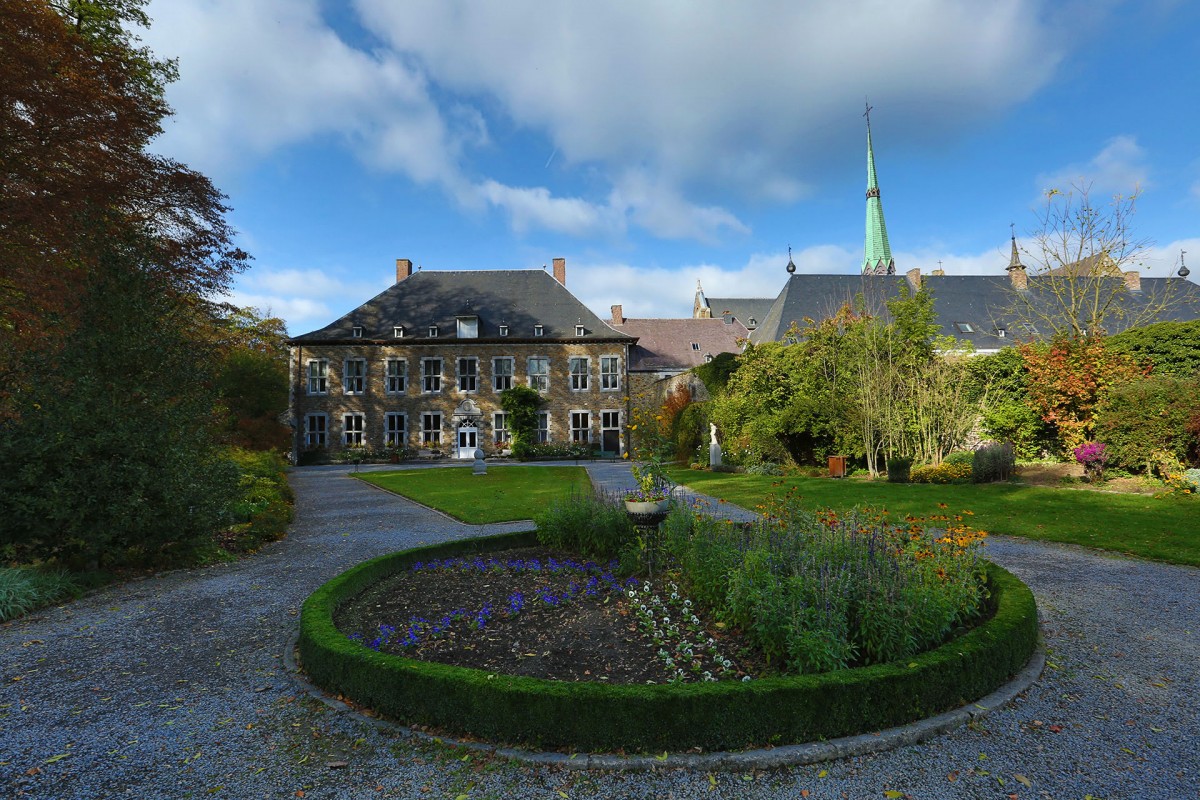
x: 174, y: 687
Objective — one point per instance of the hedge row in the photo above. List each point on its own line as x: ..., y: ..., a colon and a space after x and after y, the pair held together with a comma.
x: 633, y: 718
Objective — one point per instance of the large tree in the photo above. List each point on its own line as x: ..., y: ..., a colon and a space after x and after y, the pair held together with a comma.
x: 1077, y: 259
x: 107, y: 393
x: 80, y: 101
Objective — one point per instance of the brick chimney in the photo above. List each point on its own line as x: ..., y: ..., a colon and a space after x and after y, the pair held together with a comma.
x: 937, y: 273
x: 403, y: 269
x: 1020, y: 280
x: 1133, y: 280
x: 914, y: 278
x: 618, y: 315
x: 560, y: 270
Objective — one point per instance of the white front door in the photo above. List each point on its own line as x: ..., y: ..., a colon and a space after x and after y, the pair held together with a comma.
x: 468, y: 440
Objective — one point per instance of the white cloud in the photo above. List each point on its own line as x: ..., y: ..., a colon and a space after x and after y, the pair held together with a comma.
x: 723, y: 94
x: 536, y: 208
x: 658, y: 104
x: 1119, y: 168
x: 305, y: 299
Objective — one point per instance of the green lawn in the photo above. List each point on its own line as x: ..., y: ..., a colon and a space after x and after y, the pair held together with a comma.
x: 1167, y: 529
x: 502, y: 495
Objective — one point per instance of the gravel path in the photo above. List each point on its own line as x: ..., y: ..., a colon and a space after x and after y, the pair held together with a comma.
x: 173, y: 687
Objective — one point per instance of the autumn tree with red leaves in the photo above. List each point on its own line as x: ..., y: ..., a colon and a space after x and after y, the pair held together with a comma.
x: 1068, y: 378
x: 80, y: 101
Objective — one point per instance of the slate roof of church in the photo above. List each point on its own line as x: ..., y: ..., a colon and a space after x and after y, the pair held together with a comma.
x: 971, y: 308
x: 519, y: 299
x: 666, y: 344
x: 743, y: 309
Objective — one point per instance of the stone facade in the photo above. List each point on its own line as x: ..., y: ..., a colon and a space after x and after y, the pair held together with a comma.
x: 347, y: 397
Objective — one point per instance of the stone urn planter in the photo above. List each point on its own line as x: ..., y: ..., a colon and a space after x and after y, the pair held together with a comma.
x: 639, y: 507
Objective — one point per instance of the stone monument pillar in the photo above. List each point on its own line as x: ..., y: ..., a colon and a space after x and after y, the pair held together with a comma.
x: 479, y: 467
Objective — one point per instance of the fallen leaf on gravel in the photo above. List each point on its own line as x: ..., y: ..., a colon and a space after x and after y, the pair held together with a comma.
x: 1056, y: 728
x: 1021, y: 779
x: 337, y: 764
x: 892, y: 793
x: 823, y: 773
x: 58, y: 757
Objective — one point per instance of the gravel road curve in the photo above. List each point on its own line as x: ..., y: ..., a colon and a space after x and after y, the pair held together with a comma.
x: 174, y: 687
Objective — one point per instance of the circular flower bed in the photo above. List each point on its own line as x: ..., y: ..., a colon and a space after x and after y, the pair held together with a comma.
x: 674, y: 716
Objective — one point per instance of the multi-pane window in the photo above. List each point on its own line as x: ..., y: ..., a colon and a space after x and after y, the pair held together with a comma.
x: 396, y: 375
x: 395, y: 429
x: 543, y: 428
x: 578, y: 368
x: 431, y: 428
x: 502, y: 374
x: 539, y: 373
x: 468, y: 374
x: 468, y: 327
x: 431, y: 374
x: 610, y: 372
x: 500, y: 432
x: 353, y: 427
x: 318, y: 376
x: 315, y: 428
x: 354, y: 376
x: 581, y: 426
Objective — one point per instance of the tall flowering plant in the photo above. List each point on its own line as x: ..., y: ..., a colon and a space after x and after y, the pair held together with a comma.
x: 651, y: 453
x: 1092, y: 455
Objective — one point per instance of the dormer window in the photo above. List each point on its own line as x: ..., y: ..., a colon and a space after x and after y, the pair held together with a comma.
x: 1000, y: 332
x: 468, y: 327
x: 538, y: 330
x: 504, y: 330
x: 707, y: 357
x: 398, y: 332
x: 696, y: 346
x: 579, y: 330
x: 753, y: 322
x: 356, y: 332
x: 433, y: 331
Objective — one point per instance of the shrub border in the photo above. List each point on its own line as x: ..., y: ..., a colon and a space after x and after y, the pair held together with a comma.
x: 632, y: 718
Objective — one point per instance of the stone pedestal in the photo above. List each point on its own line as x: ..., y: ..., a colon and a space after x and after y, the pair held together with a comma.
x: 479, y: 468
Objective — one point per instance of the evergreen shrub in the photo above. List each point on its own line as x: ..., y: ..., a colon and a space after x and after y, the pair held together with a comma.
x: 899, y: 469
x: 993, y: 462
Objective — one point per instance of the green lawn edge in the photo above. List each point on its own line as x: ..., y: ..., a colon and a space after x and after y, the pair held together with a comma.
x: 505, y: 494
x: 1157, y: 528
x: 588, y: 717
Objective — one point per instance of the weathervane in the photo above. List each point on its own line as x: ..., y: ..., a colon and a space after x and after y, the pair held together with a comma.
x: 1183, y: 270
x: 791, y: 265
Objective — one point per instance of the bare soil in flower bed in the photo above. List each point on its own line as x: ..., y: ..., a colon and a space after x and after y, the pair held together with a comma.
x: 588, y: 637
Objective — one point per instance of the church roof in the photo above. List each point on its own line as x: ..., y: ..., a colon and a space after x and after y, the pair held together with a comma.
x: 749, y: 311
x: 971, y: 308
x: 519, y: 299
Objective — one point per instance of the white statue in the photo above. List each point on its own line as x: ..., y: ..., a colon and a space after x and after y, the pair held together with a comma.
x: 714, y: 447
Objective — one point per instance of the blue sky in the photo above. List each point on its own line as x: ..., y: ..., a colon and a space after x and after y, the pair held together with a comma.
x: 654, y: 144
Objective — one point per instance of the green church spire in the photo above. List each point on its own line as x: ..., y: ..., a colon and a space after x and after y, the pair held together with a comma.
x: 877, y: 255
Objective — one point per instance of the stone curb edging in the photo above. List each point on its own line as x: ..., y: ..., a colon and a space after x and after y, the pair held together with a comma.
x: 787, y: 755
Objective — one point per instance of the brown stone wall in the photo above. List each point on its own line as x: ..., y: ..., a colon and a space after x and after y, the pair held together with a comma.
x: 375, y: 401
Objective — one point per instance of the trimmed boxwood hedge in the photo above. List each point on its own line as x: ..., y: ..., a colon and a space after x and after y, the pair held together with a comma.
x: 712, y: 716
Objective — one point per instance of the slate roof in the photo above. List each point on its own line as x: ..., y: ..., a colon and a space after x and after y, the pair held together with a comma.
x: 519, y: 299
x: 971, y: 308
x: 743, y: 309
x: 666, y: 345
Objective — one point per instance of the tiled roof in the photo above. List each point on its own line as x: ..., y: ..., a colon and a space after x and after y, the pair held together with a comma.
x: 519, y: 299
x: 680, y: 344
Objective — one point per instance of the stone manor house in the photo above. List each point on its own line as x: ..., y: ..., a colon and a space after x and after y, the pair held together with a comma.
x: 421, y: 366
